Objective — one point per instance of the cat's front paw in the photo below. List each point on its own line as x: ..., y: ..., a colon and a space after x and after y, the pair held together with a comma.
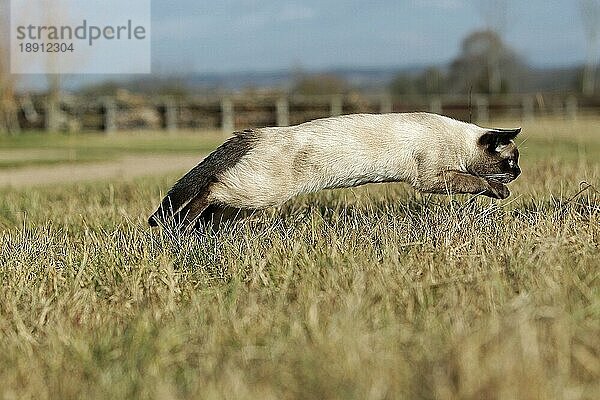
x: 498, y: 190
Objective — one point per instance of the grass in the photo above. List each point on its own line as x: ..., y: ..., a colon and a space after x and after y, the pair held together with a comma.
x: 375, y: 292
x: 40, y: 148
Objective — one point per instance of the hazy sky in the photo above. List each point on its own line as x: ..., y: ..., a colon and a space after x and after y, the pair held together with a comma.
x: 248, y: 35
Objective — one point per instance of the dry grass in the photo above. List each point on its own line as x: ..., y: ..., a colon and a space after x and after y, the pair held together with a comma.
x: 41, y: 148
x: 375, y: 293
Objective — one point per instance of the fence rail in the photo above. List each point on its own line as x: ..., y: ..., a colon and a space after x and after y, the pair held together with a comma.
x: 229, y: 113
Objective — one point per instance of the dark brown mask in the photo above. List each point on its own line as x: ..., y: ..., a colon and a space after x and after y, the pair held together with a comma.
x: 499, y: 156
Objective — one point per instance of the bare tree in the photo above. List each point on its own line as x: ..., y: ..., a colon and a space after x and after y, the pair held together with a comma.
x: 320, y: 84
x: 470, y: 69
x: 9, y: 121
x: 495, y: 16
x: 53, y: 98
x: 590, y: 16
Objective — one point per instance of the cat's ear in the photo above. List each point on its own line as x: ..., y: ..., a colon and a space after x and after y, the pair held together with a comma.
x: 494, y: 138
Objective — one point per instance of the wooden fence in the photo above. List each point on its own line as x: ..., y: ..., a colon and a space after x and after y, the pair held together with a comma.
x: 237, y: 112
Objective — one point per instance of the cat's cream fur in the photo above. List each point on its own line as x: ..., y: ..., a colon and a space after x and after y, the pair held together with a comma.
x: 431, y: 152
x: 344, y: 152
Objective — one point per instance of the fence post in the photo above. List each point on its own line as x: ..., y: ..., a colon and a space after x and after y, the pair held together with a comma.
x: 110, y: 113
x: 227, y: 116
x: 170, y: 115
x: 283, y: 111
x: 337, y: 103
x: 386, y: 105
x: 435, y: 105
x: 482, y: 105
x: 558, y: 108
x: 571, y: 104
x: 527, y: 107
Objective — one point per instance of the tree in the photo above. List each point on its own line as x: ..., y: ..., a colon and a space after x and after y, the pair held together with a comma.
x: 9, y: 121
x: 430, y: 81
x: 320, y: 84
x: 485, y: 64
x: 590, y: 16
x: 403, y: 84
x: 495, y: 16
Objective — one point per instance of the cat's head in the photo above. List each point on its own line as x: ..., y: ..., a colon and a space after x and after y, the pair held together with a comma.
x: 497, y: 156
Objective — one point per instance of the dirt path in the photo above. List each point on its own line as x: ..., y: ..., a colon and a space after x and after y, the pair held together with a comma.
x: 128, y: 167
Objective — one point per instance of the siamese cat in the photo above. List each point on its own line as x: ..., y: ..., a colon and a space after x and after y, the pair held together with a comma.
x: 265, y: 167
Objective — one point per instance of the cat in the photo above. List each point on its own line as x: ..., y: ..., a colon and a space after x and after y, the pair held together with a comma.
x: 260, y: 168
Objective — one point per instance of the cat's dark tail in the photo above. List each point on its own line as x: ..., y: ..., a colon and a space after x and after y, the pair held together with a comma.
x: 188, y: 198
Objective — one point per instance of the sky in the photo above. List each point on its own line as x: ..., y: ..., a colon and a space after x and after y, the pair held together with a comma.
x: 224, y: 36
x: 208, y: 36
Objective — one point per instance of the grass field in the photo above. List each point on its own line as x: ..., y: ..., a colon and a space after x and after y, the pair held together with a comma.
x: 372, y: 293
x: 43, y: 149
